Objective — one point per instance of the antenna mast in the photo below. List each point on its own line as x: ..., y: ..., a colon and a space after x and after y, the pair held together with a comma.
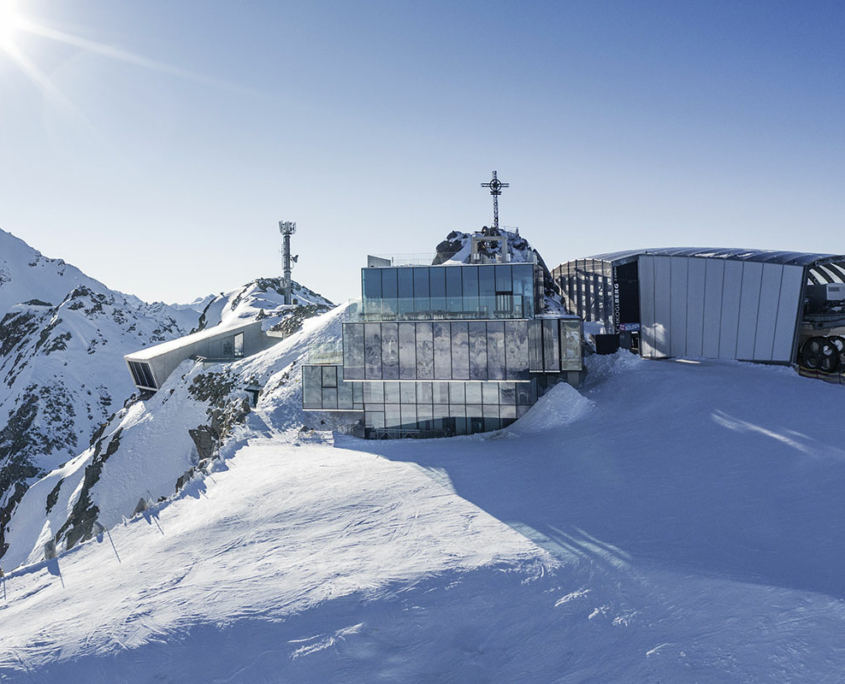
x: 495, y: 186
x: 287, y: 228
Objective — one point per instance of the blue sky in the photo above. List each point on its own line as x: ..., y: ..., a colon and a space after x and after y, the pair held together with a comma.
x: 162, y: 169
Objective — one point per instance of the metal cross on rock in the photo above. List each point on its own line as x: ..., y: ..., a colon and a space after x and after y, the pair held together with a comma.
x: 495, y: 186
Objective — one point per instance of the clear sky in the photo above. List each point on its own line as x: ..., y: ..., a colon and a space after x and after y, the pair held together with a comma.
x: 156, y: 144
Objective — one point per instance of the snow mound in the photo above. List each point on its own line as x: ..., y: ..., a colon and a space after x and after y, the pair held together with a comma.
x: 601, y: 366
x: 559, y: 407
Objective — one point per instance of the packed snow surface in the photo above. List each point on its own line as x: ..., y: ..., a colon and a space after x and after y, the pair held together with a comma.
x: 679, y: 522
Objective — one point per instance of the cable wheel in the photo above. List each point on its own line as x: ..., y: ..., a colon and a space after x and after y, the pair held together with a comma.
x: 815, y: 351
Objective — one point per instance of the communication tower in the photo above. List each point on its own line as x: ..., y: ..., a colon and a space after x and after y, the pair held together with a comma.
x: 287, y: 228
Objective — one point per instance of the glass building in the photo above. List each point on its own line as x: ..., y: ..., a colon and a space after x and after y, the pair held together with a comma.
x: 446, y: 350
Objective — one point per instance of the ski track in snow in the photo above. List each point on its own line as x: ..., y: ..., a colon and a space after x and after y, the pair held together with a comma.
x: 671, y: 523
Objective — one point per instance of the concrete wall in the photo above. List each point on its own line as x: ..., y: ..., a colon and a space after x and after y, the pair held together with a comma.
x: 719, y: 308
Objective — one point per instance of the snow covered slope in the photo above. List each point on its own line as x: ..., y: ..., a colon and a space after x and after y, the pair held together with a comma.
x: 62, y: 340
x: 673, y: 522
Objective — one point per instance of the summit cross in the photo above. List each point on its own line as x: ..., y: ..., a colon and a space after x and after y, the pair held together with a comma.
x: 495, y: 186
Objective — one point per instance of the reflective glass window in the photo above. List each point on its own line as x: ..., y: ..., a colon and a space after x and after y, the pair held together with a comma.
x: 329, y: 376
x: 312, y: 387
x: 374, y: 419
x: 507, y: 414
x: 392, y: 416
x: 344, y: 395
x: 516, y: 349
x: 407, y: 393
x: 424, y: 393
x: 407, y: 351
x: 422, y: 303
x: 389, y: 285
x: 507, y: 393
x: 442, y: 351
x: 496, y: 368
x: 440, y: 392
x: 457, y: 393
x: 391, y: 393
x: 405, y: 279
x: 390, y: 351
x: 409, y: 416
x: 470, y: 288
x: 372, y: 350
x: 330, y: 397
x: 504, y: 278
x: 535, y: 345
x: 437, y: 285
x: 454, y: 294
x: 425, y: 351
x: 373, y: 392
x: 570, y: 332
x: 353, y: 351
x: 424, y: 416
x: 460, y: 350
x: 490, y: 393
x: 477, y: 350
x: 551, y: 345
x: 473, y: 393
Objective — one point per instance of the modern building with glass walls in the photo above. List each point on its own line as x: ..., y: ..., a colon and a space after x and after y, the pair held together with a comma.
x: 445, y: 350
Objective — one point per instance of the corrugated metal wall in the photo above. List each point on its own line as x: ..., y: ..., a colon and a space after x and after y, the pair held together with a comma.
x: 718, y: 309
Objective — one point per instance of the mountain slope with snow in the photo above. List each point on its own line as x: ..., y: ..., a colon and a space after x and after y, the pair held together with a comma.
x: 674, y: 521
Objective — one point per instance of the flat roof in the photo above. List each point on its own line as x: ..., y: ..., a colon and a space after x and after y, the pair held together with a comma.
x: 173, y: 345
x: 734, y: 254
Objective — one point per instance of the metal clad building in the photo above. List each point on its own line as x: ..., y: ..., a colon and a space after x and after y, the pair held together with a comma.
x: 702, y: 303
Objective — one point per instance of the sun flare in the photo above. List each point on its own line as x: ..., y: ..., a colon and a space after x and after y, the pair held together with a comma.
x: 10, y: 19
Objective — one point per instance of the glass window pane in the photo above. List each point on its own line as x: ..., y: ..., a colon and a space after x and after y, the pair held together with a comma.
x: 504, y: 279
x: 496, y: 368
x: 425, y: 351
x: 329, y: 376
x: 454, y: 293
x: 516, y: 349
x: 424, y: 393
x: 507, y: 393
x: 388, y: 283
x: 391, y: 392
x: 486, y: 281
x: 442, y: 351
x: 477, y: 350
x: 421, y: 290
x: 526, y: 393
x: 312, y: 387
x: 344, y: 395
x: 535, y: 345
x: 437, y: 284
x: 507, y: 414
x: 373, y: 392
x: 407, y: 351
x: 374, y: 419
x: 440, y: 392
x: 424, y: 416
x: 390, y: 351
x: 470, y: 289
x: 457, y: 393
x: 353, y: 351
x: 392, y: 416
x: 409, y: 416
x: 460, y: 350
x: 407, y: 393
x: 371, y: 290
x: 473, y: 393
x: 551, y: 346
x: 570, y: 332
x: 329, y: 398
x: 490, y: 393
x: 405, y: 290
x: 372, y: 350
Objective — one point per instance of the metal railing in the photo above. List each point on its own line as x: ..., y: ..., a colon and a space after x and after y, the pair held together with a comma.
x: 502, y: 307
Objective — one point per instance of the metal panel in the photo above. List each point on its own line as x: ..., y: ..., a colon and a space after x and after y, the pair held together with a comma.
x: 767, y: 312
x: 696, y: 272
x: 662, y: 306
x: 678, y: 296
x: 647, y: 307
x: 729, y: 322
x: 752, y: 281
x: 789, y: 310
x: 714, y: 282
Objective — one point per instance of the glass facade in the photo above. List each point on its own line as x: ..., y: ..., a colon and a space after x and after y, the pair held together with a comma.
x: 469, y: 292
x: 445, y: 350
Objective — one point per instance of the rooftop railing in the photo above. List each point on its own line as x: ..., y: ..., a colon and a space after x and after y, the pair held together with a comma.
x: 500, y: 307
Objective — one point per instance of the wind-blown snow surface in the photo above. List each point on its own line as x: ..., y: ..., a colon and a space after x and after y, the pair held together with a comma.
x: 680, y: 522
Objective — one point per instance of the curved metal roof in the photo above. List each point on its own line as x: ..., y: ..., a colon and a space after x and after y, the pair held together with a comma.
x: 761, y: 255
